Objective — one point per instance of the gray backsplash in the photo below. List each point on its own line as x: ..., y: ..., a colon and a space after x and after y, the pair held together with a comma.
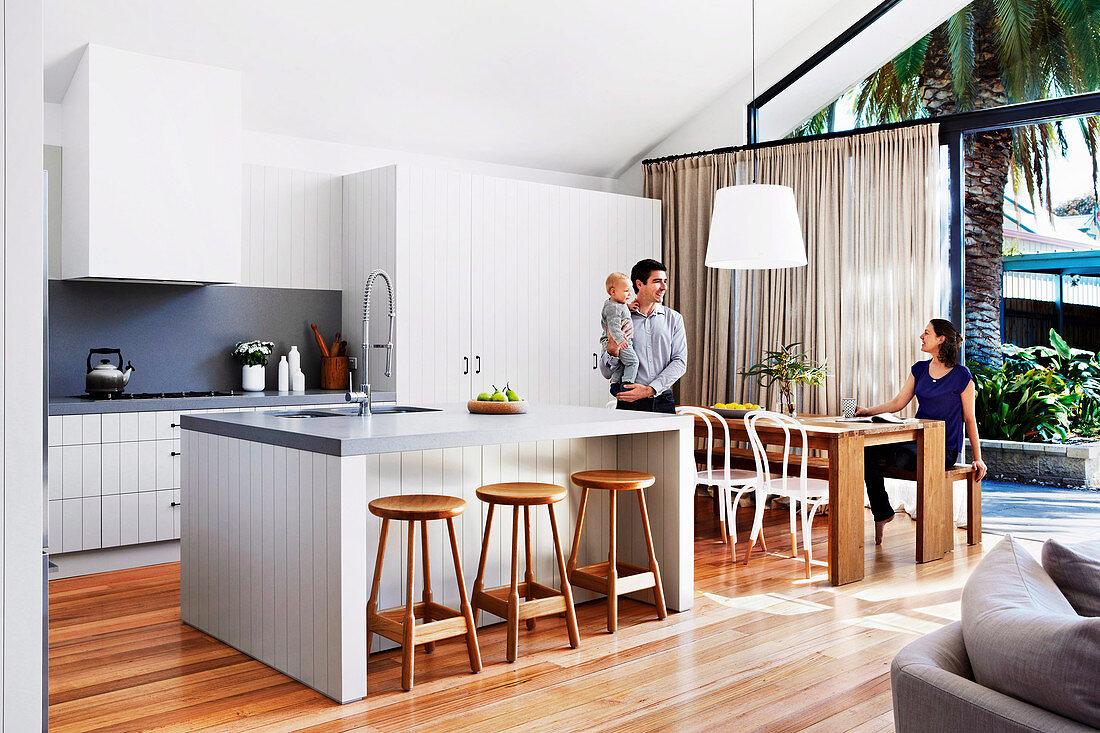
x: 179, y: 336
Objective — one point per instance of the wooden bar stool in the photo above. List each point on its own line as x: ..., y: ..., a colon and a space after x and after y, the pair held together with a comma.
x: 539, y: 600
x: 439, y: 622
x: 613, y: 577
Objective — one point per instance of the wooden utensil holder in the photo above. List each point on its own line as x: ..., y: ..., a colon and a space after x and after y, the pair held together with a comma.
x: 334, y: 372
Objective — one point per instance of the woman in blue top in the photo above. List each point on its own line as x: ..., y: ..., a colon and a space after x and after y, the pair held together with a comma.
x: 945, y: 391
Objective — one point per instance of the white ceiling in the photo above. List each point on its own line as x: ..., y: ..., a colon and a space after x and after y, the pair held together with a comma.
x: 581, y: 86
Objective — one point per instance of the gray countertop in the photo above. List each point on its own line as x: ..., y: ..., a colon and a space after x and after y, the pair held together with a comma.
x: 453, y: 427
x: 78, y: 406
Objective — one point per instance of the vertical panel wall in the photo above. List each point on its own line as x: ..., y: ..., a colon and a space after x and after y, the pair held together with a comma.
x: 21, y: 382
x: 291, y: 228
x: 278, y: 547
x: 369, y: 242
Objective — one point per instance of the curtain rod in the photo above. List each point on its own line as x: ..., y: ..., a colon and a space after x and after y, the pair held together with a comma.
x: 805, y: 139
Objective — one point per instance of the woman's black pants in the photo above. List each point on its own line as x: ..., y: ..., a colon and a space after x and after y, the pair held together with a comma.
x: 877, y: 460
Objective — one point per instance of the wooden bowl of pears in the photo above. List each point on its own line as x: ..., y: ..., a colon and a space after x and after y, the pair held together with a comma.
x: 498, y: 402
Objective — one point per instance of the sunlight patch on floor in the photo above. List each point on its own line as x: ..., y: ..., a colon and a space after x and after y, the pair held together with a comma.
x: 774, y: 603
x: 948, y: 611
x: 901, y: 623
x: 917, y: 586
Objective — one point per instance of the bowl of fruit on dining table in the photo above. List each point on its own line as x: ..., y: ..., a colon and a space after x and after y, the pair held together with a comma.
x: 735, y: 410
x: 498, y: 402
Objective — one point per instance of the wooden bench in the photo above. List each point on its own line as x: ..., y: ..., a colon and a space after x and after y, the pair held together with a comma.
x: 958, y: 472
x: 818, y: 467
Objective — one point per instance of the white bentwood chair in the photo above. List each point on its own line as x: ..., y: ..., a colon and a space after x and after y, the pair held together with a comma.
x: 731, y: 483
x: 805, y: 495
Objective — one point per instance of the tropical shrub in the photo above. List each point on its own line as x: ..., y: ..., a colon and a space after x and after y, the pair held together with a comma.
x: 1079, y: 369
x: 1030, y: 406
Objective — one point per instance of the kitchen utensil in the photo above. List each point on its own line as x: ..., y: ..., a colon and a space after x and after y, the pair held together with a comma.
x: 334, y: 350
x: 320, y: 339
x: 343, y: 348
x: 105, y: 377
x: 497, y: 408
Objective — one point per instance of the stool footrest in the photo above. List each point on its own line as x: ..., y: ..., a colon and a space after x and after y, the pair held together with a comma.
x: 547, y: 601
x: 440, y: 622
x: 630, y: 578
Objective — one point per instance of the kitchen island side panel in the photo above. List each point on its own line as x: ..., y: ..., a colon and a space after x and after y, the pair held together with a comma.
x: 279, y: 546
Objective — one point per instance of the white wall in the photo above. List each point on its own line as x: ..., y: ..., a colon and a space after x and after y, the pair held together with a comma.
x: 21, y: 383
x: 722, y: 123
x: 282, y: 151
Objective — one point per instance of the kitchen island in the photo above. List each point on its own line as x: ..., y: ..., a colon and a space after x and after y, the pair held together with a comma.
x: 278, y: 546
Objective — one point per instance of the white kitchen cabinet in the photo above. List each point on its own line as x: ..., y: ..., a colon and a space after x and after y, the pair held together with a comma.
x: 53, y: 460
x: 167, y: 424
x: 128, y: 426
x: 167, y: 515
x: 128, y: 519
x: 128, y: 464
x: 497, y: 280
x: 91, y: 476
x: 110, y: 468
x: 56, y: 520
x: 72, y: 471
x: 111, y: 427
x: 91, y: 523
x: 152, y: 184
x: 72, y: 525
x: 72, y: 430
x: 147, y: 516
x: 112, y: 520
x: 168, y: 464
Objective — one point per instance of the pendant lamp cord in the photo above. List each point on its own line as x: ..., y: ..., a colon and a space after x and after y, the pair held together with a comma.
x: 755, y: 118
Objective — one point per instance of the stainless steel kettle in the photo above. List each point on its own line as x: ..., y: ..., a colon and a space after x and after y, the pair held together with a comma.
x: 105, y: 377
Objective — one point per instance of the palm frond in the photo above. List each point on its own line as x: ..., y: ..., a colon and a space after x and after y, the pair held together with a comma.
x: 1015, y: 22
x: 960, y: 45
x: 822, y: 122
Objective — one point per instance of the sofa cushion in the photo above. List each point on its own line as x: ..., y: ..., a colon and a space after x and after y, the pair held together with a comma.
x: 1024, y: 639
x: 1075, y: 569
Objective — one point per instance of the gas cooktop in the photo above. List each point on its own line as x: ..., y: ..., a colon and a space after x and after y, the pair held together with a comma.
x: 155, y: 395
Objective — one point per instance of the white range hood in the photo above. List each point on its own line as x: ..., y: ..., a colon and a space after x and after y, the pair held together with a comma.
x: 152, y: 170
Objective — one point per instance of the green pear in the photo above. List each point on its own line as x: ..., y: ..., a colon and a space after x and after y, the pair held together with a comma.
x: 484, y: 397
x: 511, y: 394
x: 497, y: 395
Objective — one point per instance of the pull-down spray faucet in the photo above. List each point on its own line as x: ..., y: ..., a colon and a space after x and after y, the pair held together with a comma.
x: 363, y: 396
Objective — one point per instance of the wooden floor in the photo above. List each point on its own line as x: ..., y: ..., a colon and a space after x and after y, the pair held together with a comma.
x: 763, y: 649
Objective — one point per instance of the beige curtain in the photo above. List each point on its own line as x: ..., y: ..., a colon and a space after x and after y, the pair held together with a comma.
x: 870, y: 215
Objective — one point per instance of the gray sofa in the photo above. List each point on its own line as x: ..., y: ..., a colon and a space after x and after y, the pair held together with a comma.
x: 1024, y: 657
x: 934, y: 691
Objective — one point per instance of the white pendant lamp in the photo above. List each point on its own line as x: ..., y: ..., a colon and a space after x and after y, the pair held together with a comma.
x: 755, y: 226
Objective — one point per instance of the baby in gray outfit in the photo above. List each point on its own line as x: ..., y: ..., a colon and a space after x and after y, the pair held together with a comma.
x: 612, y: 316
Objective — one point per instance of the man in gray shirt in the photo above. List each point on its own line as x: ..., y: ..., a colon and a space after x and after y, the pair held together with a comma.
x: 657, y: 334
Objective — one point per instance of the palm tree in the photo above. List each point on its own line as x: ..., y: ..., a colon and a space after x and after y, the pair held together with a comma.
x: 989, y: 54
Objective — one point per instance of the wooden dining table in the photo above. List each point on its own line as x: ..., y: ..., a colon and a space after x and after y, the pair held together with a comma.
x: 844, y: 443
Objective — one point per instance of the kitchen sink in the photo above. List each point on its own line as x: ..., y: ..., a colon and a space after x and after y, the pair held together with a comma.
x: 393, y: 409
x: 354, y: 411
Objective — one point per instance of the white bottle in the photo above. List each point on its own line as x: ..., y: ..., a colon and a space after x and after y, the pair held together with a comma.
x: 298, y: 381
x: 294, y: 361
x: 284, y: 375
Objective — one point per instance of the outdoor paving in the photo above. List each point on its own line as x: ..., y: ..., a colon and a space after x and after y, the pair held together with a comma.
x: 1040, y: 512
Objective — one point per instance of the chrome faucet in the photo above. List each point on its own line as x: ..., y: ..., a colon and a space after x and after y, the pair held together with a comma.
x: 363, y: 396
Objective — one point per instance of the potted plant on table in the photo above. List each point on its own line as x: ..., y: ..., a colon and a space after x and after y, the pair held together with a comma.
x: 786, y: 367
x: 253, y: 358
